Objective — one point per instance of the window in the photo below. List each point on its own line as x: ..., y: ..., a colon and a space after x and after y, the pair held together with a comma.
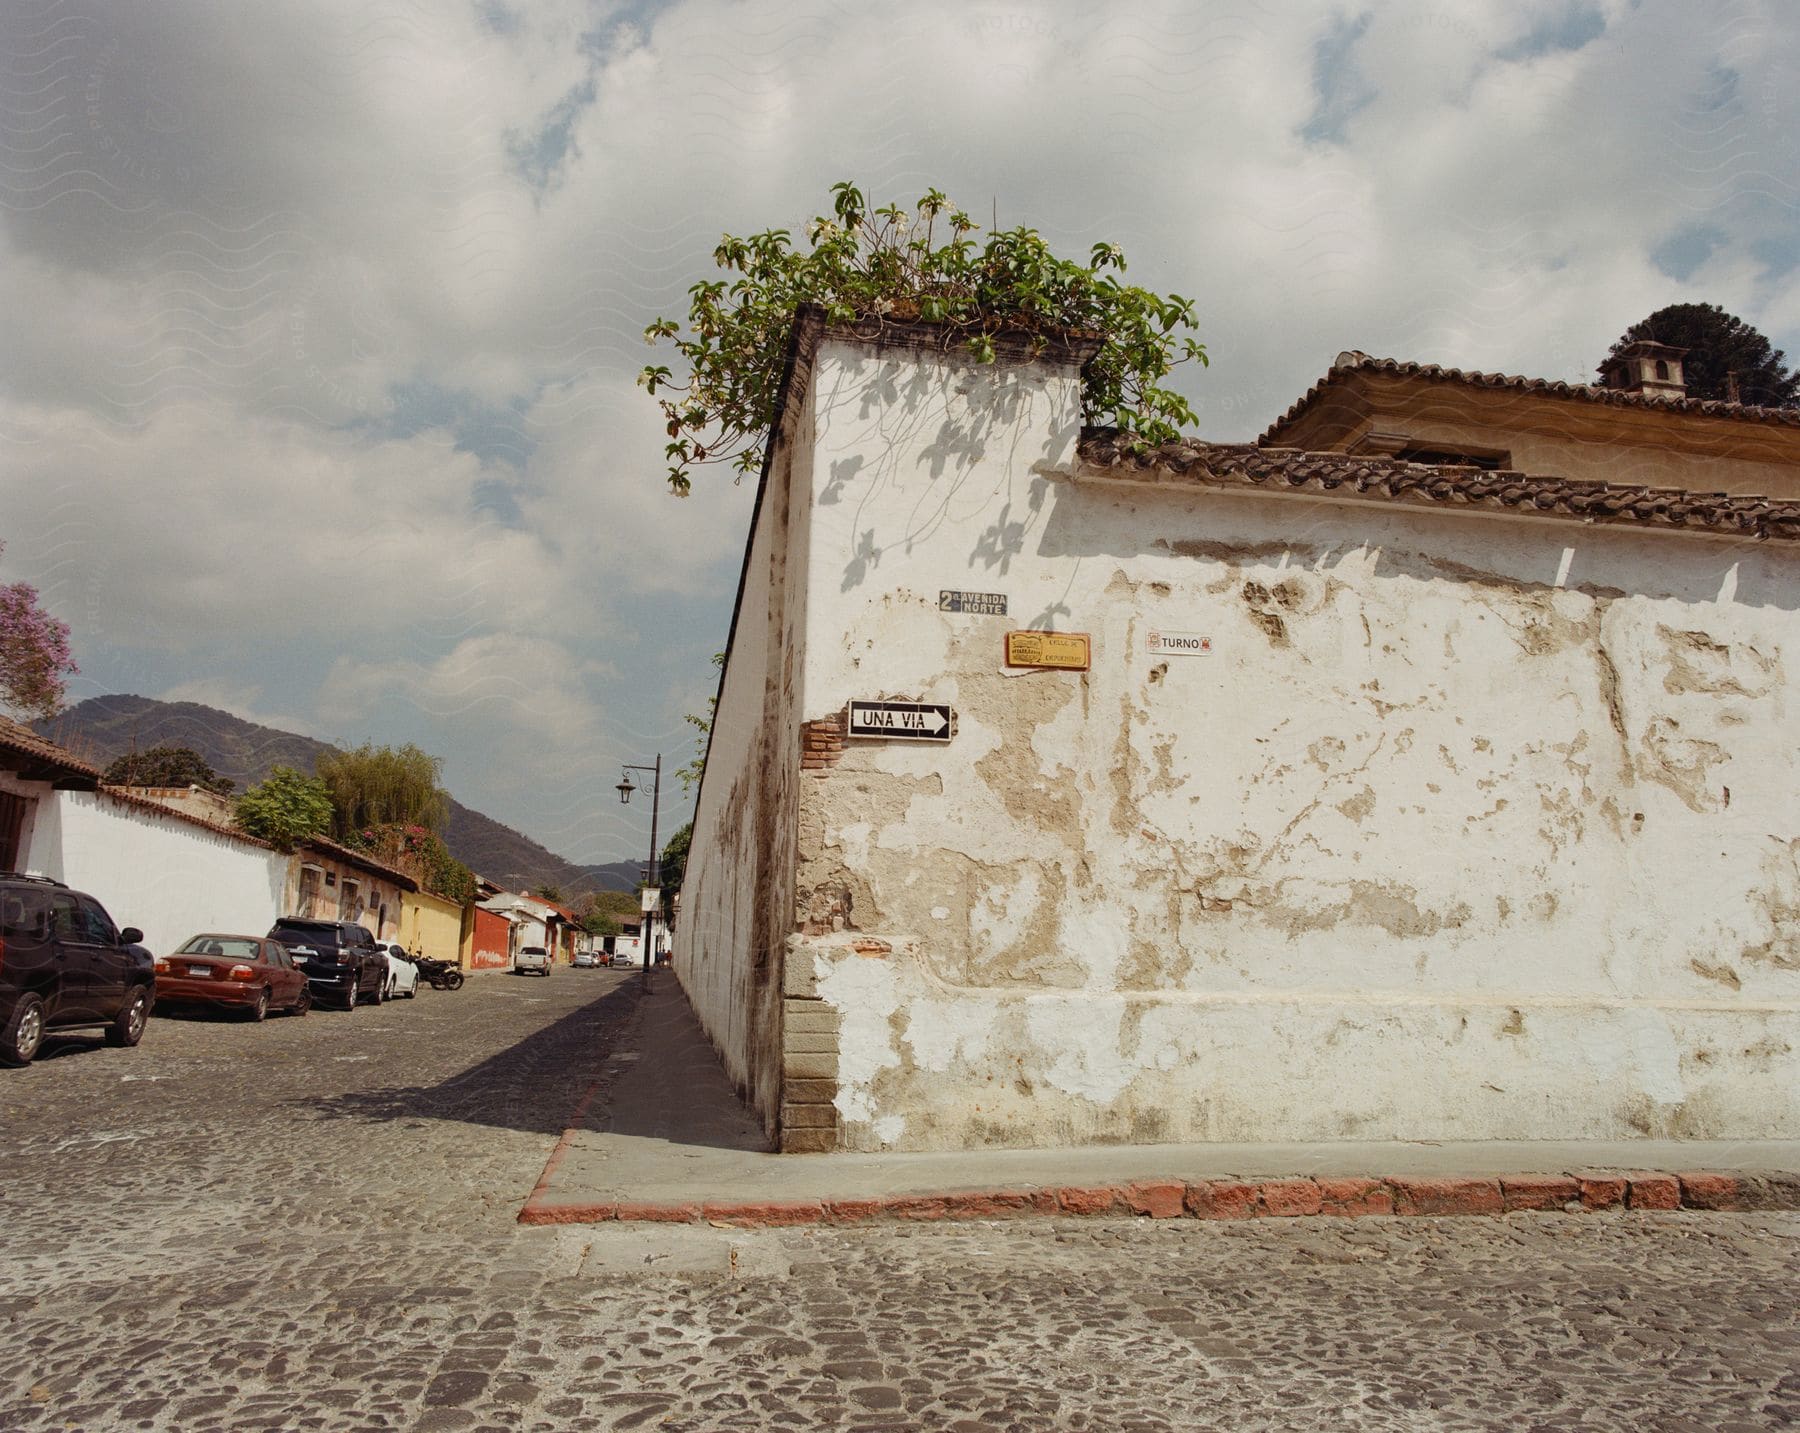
x: 22, y: 914
x: 349, y: 900
x: 65, y: 920
x: 96, y: 925
x: 12, y: 830
x: 1662, y: 371
x: 311, y: 878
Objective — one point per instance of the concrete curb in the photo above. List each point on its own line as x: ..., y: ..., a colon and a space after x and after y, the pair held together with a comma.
x: 1582, y: 1191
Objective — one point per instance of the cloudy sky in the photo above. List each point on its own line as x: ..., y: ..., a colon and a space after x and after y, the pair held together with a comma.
x: 321, y: 317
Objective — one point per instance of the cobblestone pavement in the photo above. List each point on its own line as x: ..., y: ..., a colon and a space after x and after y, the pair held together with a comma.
x: 311, y: 1224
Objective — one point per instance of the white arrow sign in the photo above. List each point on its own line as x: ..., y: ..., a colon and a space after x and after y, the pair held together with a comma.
x: 901, y: 721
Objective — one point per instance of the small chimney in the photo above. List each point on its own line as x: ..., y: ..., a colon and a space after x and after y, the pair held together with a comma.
x: 1653, y: 369
x: 1731, y: 389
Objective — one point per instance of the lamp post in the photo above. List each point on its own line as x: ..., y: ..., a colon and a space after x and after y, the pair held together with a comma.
x: 625, y: 788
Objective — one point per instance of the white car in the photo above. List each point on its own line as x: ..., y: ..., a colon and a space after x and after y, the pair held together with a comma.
x: 533, y: 958
x: 402, y: 974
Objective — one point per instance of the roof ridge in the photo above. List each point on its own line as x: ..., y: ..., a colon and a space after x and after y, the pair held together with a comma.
x: 1389, y: 479
x: 1352, y: 360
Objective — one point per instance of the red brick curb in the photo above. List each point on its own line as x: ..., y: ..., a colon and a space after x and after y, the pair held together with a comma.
x: 1576, y: 1192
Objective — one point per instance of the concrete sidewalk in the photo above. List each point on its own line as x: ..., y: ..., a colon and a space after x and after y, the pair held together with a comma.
x: 662, y: 1136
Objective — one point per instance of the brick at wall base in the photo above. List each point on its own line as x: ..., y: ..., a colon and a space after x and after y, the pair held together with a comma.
x: 1585, y: 1190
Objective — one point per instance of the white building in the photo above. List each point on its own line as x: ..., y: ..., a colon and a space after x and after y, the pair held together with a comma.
x: 1393, y: 801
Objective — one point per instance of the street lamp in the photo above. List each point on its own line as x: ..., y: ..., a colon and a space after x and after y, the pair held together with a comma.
x: 625, y: 788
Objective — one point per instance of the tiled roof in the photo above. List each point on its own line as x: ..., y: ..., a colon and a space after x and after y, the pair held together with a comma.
x: 362, y: 859
x: 1249, y: 465
x: 1552, y: 388
x: 23, y: 741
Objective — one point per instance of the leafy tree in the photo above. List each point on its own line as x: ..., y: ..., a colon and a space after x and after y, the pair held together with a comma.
x: 383, y: 786
x: 598, y: 922
x: 285, y: 808
x: 34, y: 653
x: 674, y: 859
x: 167, y: 766
x: 889, y: 265
x: 422, y: 854
x: 616, y: 903
x: 548, y: 891
x: 695, y: 769
x: 1719, y: 344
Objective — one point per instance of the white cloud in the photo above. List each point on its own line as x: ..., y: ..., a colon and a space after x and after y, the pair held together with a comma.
x: 324, y: 317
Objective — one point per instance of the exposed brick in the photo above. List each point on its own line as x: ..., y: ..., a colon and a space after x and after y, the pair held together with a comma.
x: 808, y: 1140
x: 809, y: 1042
x: 1158, y: 1198
x: 998, y: 1203
x: 1600, y: 1189
x: 1447, y: 1196
x: 1701, y: 1190
x: 808, y: 1116
x: 534, y: 1213
x: 766, y: 1214
x: 870, y: 945
x: 1770, y: 1191
x: 646, y: 1212
x: 854, y: 1211
x: 809, y: 1092
x: 1079, y: 1200
x: 915, y: 1206
x: 822, y: 742
x: 1287, y: 1198
x: 805, y: 1065
x: 1355, y: 1196
x: 1538, y: 1191
x: 1221, y: 1199
x: 799, y: 977
x: 1653, y: 1191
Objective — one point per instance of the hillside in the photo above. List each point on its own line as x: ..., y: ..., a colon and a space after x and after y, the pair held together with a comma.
x: 104, y: 728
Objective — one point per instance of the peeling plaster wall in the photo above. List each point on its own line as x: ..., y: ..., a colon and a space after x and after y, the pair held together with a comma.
x: 1469, y: 827
x: 737, y: 895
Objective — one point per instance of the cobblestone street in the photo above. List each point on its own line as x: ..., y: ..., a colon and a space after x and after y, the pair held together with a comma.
x: 312, y: 1224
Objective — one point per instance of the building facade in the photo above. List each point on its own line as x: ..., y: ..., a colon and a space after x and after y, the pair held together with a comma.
x: 1353, y: 796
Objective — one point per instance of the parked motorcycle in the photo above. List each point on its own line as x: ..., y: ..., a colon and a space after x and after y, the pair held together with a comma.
x: 439, y: 974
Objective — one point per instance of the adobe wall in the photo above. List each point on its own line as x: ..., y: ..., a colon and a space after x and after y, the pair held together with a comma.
x: 1466, y: 827
x: 170, y: 878
x: 737, y: 893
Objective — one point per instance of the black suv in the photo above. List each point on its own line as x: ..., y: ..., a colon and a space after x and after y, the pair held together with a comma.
x: 65, y: 966
x: 341, y: 959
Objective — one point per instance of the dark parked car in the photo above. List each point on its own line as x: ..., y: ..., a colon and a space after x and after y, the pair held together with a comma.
x: 247, y: 973
x: 340, y: 958
x: 65, y: 966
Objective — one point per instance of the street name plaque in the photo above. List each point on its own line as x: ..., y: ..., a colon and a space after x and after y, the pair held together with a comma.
x: 985, y: 604
x: 1068, y: 651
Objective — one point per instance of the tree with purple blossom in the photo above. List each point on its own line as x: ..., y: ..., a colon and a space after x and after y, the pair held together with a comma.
x: 34, y: 652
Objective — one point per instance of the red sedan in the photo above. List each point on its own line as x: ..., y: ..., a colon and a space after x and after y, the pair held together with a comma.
x: 242, y: 972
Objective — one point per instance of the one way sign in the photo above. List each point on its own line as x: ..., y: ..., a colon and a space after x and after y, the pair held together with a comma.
x: 902, y: 721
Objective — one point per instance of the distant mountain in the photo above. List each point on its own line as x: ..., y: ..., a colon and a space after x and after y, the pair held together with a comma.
x: 105, y: 728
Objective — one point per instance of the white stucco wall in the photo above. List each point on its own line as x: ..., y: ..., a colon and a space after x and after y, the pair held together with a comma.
x: 166, y: 876
x: 1468, y: 827
x: 738, y: 890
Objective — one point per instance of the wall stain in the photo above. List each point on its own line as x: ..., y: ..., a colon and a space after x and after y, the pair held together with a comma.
x: 1724, y: 974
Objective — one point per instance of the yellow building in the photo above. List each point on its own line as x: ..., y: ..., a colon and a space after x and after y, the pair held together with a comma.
x: 433, y: 926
